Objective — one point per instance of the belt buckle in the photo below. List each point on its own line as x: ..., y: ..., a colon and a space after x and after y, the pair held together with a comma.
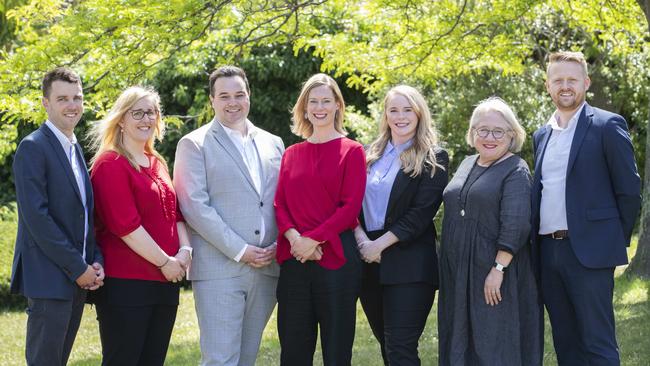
x: 560, y: 235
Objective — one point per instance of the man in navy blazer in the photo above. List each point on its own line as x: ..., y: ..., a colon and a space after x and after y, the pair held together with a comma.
x: 586, y: 197
x: 55, y: 260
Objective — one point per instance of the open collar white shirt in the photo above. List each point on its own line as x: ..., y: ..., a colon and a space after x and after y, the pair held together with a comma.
x: 68, y: 145
x: 552, y: 211
x: 245, y: 144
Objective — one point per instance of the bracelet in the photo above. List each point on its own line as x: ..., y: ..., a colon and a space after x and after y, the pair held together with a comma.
x: 188, y: 248
x: 164, y: 264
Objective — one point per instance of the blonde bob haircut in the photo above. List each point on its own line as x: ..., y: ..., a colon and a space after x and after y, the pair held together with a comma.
x: 106, y: 134
x: 566, y: 56
x: 496, y: 104
x: 301, y: 125
x: 425, y: 142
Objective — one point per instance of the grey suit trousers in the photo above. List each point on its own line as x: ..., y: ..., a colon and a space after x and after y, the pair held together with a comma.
x: 52, y: 326
x: 232, y: 314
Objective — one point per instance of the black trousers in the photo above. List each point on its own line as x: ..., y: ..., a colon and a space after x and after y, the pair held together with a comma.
x: 579, y: 304
x: 52, y: 327
x: 135, y: 335
x: 397, y: 315
x: 309, y: 297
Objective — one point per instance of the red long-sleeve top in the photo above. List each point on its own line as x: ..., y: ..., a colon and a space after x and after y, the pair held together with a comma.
x: 126, y: 199
x: 320, y: 190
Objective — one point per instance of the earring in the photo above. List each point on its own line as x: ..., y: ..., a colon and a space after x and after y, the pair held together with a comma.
x: 306, y: 117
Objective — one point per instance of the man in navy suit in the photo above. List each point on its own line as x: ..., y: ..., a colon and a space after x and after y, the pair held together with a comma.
x: 586, y: 197
x: 55, y: 260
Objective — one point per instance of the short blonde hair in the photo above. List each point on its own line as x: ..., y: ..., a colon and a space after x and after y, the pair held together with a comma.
x: 422, y: 152
x: 106, y: 134
x: 567, y: 56
x: 496, y: 104
x: 301, y: 125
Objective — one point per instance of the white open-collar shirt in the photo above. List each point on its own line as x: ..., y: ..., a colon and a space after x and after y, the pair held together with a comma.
x: 552, y: 210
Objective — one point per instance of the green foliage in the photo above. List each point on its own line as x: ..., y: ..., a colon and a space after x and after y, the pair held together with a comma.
x: 456, y: 52
x: 8, y: 226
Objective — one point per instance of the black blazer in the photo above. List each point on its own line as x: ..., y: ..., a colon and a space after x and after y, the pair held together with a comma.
x: 412, y: 205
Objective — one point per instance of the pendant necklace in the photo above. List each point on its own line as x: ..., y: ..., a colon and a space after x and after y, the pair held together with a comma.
x: 463, y: 201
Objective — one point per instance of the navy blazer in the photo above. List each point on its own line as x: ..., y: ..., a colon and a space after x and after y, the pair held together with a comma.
x: 412, y: 204
x: 603, y: 188
x: 49, y: 243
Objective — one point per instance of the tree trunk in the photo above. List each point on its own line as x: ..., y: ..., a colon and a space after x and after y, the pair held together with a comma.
x: 640, y: 265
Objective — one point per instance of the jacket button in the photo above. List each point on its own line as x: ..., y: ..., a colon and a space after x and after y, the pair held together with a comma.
x: 257, y: 232
x: 261, y: 204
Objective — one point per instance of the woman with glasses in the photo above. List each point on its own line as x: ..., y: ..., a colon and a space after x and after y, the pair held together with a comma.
x: 140, y: 230
x: 489, y: 310
x: 407, y: 173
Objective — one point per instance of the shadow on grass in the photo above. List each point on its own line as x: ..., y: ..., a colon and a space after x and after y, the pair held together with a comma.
x: 185, y: 353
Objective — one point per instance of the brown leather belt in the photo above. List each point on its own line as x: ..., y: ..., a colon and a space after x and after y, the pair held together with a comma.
x: 558, y: 235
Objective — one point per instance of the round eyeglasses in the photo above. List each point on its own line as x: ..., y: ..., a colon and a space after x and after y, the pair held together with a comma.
x: 484, y: 132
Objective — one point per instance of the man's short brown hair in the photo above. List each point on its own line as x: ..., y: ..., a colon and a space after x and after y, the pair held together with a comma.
x: 58, y: 74
x: 567, y: 56
x: 226, y: 72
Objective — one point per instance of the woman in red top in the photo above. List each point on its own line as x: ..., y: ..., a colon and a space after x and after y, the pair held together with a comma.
x: 318, y: 199
x: 140, y: 230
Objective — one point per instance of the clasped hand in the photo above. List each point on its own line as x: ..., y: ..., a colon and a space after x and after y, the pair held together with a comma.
x: 370, y: 251
x: 173, y: 270
x: 306, y: 249
x: 257, y: 257
x: 92, y: 278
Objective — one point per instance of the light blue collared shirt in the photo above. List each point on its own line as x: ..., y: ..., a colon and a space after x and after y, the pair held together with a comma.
x: 379, y: 184
x: 68, y: 145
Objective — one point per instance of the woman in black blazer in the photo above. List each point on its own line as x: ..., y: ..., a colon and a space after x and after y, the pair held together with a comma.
x: 407, y: 173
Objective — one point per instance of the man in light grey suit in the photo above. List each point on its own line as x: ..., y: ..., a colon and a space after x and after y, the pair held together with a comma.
x: 225, y: 176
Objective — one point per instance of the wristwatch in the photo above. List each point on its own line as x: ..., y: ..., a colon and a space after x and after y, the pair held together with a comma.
x: 500, y: 267
x: 188, y: 248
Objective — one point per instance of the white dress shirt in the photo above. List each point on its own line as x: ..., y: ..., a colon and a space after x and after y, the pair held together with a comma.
x: 248, y: 150
x: 552, y: 210
x: 71, y: 152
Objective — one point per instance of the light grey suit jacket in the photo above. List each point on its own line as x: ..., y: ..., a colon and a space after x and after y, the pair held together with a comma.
x: 219, y: 201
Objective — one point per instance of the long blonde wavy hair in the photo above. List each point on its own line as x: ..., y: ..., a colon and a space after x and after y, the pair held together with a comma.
x: 105, y: 135
x: 422, y: 152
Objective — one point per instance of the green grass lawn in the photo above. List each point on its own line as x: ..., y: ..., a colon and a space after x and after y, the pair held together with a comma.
x: 632, y: 315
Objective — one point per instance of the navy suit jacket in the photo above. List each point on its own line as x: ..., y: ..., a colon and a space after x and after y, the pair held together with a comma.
x: 412, y: 205
x: 49, y: 243
x: 603, y: 188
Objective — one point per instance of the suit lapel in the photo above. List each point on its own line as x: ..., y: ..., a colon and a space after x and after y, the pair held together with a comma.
x: 583, y: 123
x: 542, y: 150
x: 63, y: 158
x: 222, y: 138
x: 399, y: 185
x: 265, y: 152
x: 86, y: 177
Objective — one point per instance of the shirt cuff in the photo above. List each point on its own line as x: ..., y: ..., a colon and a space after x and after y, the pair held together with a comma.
x: 240, y: 254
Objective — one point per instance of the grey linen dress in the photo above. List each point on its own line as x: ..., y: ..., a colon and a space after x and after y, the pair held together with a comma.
x: 497, y: 216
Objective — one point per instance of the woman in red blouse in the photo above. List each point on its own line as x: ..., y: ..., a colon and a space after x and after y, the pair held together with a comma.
x: 318, y: 199
x: 140, y: 230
